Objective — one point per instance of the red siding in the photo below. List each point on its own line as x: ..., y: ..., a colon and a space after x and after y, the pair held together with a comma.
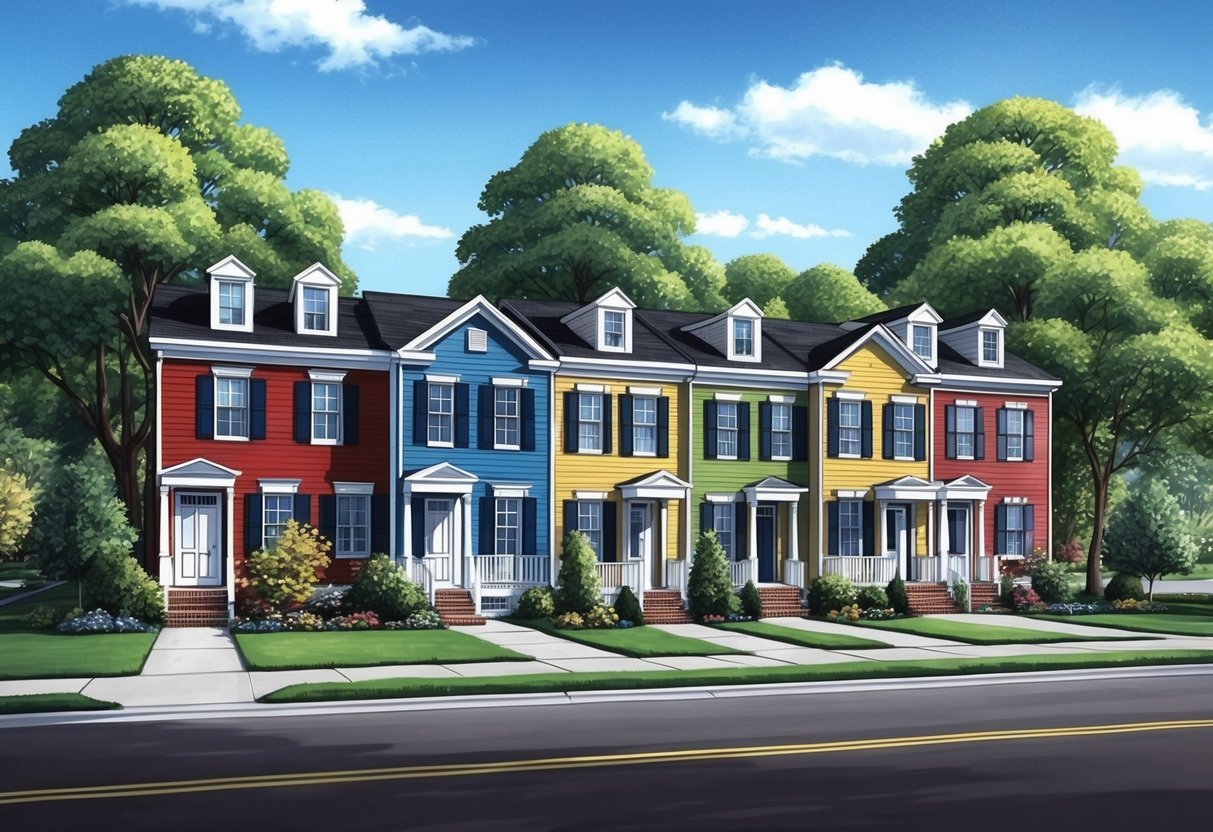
x: 278, y: 455
x: 1007, y: 479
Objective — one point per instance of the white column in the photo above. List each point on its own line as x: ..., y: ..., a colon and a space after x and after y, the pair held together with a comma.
x: 944, y: 539
x: 878, y: 521
x: 465, y: 540
x: 407, y: 547
x: 660, y: 547
x: 981, y: 530
x: 752, y: 533
x: 794, y: 535
x: 166, y: 560
x: 230, y: 542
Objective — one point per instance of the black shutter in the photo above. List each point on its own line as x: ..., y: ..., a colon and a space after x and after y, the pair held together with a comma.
x: 418, y: 526
x: 530, y: 525
x: 832, y: 427
x: 1002, y: 434
x: 301, y: 512
x: 484, y: 417
x: 326, y: 513
x: 663, y: 426
x: 979, y: 438
x: 572, y: 422
x: 381, y: 517
x: 832, y: 547
x: 949, y: 442
x: 256, y: 396
x: 488, y: 526
x: 609, y: 535
x: 705, y: 517
x: 462, y: 406
x: 743, y: 430
x: 1000, y: 530
x: 350, y: 417
x: 607, y: 424
x: 709, y: 429
x: 764, y: 430
x: 526, y: 405
x: 1029, y: 527
x: 920, y: 432
x: 1029, y: 436
x: 204, y: 407
x: 865, y: 429
x: 741, y: 539
x: 303, y: 411
x: 570, y: 517
x: 869, y: 527
x: 625, y: 425
x: 252, y: 523
x: 421, y: 395
x: 800, y: 433
x: 886, y: 417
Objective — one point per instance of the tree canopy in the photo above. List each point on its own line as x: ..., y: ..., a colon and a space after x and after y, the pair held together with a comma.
x: 1148, y: 538
x: 829, y: 293
x: 759, y: 277
x: 579, y: 214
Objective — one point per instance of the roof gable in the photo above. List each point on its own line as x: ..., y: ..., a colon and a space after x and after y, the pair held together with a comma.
x: 889, y: 343
x: 478, y: 305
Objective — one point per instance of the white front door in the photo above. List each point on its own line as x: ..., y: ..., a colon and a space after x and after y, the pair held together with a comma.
x: 440, y: 539
x: 896, y: 535
x: 640, y: 535
x: 196, y: 535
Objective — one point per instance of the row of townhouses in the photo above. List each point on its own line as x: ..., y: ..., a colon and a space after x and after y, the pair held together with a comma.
x: 466, y: 438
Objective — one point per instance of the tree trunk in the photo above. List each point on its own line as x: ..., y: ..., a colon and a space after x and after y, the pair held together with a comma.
x: 1094, y: 582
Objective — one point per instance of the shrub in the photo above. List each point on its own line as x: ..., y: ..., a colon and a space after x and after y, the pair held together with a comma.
x: 354, y: 621
x: 877, y: 614
x: 1024, y: 598
x: 899, y: 601
x: 831, y: 592
x: 267, y: 625
x: 1052, y: 582
x: 1124, y: 587
x: 709, y: 586
x: 42, y: 617
x: 1006, y: 584
x: 303, y: 621
x: 16, y: 509
x: 1148, y: 536
x: 285, y: 573
x: 1072, y: 551
x: 751, y: 601
x: 845, y: 613
x: 577, y: 587
x: 385, y: 588
x: 327, y: 601
x: 601, y: 618
x: 960, y: 593
x: 100, y: 621
x: 254, y: 609
x: 872, y: 597
x: 628, y: 606
x: 568, y: 621
x: 536, y: 602
x: 119, y: 585
x: 1133, y: 605
x: 424, y: 620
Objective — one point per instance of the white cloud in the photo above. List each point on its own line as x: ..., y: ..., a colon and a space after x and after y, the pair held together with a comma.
x: 721, y: 224
x: 767, y: 227
x: 830, y: 111
x: 1158, y: 133
x: 352, y: 36
x: 367, y: 224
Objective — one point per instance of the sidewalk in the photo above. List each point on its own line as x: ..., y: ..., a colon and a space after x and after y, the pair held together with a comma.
x: 201, y: 666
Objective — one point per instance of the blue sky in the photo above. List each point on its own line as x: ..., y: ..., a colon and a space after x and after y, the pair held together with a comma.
x: 789, y: 125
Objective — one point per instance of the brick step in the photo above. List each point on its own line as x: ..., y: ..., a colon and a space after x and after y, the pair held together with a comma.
x: 456, y: 607
x: 664, y: 607
x: 196, y: 608
x: 930, y: 599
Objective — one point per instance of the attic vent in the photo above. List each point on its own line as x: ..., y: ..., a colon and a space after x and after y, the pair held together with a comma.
x: 478, y: 340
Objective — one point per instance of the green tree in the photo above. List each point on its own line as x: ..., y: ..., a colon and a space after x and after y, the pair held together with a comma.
x: 141, y: 177
x: 777, y: 309
x: 1148, y: 538
x: 829, y: 293
x: 709, y: 586
x: 759, y: 277
x: 16, y: 510
x: 285, y: 573
x: 577, y: 215
x: 577, y: 586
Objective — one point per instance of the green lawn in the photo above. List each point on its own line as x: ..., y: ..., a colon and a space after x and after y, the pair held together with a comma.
x: 637, y: 642
x: 16, y: 570
x: 560, y: 682
x: 37, y: 703
x: 1202, y: 572
x: 978, y: 633
x: 801, y: 638
x: 368, y: 648
x: 1180, y: 624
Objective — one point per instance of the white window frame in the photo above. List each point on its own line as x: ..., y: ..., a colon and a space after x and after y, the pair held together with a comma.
x: 982, y: 360
x: 226, y: 287
x: 608, y: 315
x: 589, y: 515
x: 276, y: 496
x: 334, y: 413
x: 596, y: 403
x: 928, y: 331
x: 327, y: 297
x: 724, y: 523
x: 1020, y: 534
x: 638, y: 425
x: 725, y: 430
x: 900, y: 433
x: 780, y: 412
x: 435, y: 418
x: 503, y: 423
x: 245, y: 285
x: 850, y: 434
x: 345, y: 545
x: 737, y: 324
x: 233, y: 376
x: 504, y: 508
x: 1017, y: 435
x: 850, y: 534
x: 971, y: 433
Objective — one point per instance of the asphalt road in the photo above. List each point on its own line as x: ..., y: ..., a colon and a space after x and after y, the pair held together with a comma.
x: 979, y: 757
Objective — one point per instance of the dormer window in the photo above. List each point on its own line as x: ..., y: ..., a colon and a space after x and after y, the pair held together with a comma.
x: 921, y: 341
x: 314, y: 294
x: 231, y: 295
x: 743, y: 338
x: 606, y: 323
x: 231, y: 303
x: 613, y: 329
x: 991, y: 348
x: 315, y: 309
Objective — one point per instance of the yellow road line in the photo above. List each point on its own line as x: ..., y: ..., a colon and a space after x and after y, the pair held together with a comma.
x: 321, y: 778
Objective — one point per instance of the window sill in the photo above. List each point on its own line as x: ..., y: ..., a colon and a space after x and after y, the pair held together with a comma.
x: 590, y: 451
x: 363, y: 556
x: 732, y: 458
x: 781, y: 459
x: 231, y: 438
x: 507, y: 447
x: 644, y: 453
x: 848, y: 456
x: 440, y: 444
x: 329, y: 442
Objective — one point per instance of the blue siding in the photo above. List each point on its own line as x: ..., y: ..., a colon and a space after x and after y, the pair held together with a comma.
x: 503, y: 358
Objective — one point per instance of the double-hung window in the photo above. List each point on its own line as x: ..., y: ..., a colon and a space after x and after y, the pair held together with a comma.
x: 589, y: 523
x: 589, y: 422
x: 277, y: 509
x: 505, y: 418
x: 315, y: 309
x: 1015, y: 443
x: 850, y: 527
x: 723, y: 520
x: 850, y: 428
x: 353, y: 525
x: 326, y: 412
x: 990, y: 339
x: 903, y: 431
x: 231, y: 408
x: 726, y: 430
x: 612, y: 329
x: 440, y: 416
x: 781, y: 431
x: 509, y: 526
x: 920, y: 337
x: 644, y: 425
x: 1016, y: 530
x: 743, y: 337
x: 966, y: 432
x: 231, y: 303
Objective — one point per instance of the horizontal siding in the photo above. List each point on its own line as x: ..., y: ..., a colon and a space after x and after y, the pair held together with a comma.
x: 278, y: 455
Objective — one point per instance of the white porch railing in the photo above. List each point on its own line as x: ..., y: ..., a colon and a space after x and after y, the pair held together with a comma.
x: 676, y: 576
x: 986, y: 569
x: 927, y: 570
x: 424, y: 578
x: 861, y: 569
x: 471, y: 575
x: 741, y: 571
x: 439, y: 566
x: 793, y: 573
x: 504, y: 570
x: 614, y: 576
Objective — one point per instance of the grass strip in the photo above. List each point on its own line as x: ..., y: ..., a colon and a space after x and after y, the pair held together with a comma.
x: 636, y: 642
x: 801, y: 638
x: 52, y: 655
x: 980, y: 634
x: 843, y: 671
x: 36, y: 703
x: 1181, y: 624
x: 367, y: 648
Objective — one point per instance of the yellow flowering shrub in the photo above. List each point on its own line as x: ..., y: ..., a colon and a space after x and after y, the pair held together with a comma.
x: 286, y: 573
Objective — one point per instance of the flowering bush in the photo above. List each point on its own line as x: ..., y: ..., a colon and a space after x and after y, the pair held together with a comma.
x: 286, y: 572
x: 831, y: 592
x: 878, y: 614
x: 1025, y: 599
x: 536, y: 602
x: 257, y: 625
x: 41, y: 617
x: 354, y: 621
x: 1134, y: 605
x: 601, y: 618
x: 424, y: 620
x: 100, y: 621
x: 624, y: 624
x: 1079, y: 608
x: 1072, y: 551
x: 303, y: 621
x: 847, y: 613
x: 327, y: 601
x: 255, y: 609
x: 568, y: 621
x: 711, y: 618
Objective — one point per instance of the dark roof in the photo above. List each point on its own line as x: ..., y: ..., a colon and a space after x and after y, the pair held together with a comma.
x: 184, y: 312
x: 670, y: 324
x: 824, y: 353
x: 401, y: 318
x: 953, y: 323
x: 542, y: 319
x: 953, y: 363
x: 889, y: 315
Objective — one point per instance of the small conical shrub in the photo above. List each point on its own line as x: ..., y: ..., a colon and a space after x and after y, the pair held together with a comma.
x: 627, y: 605
x: 709, y: 587
x: 898, y: 600
x: 751, y: 601
x: 577, y: 587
